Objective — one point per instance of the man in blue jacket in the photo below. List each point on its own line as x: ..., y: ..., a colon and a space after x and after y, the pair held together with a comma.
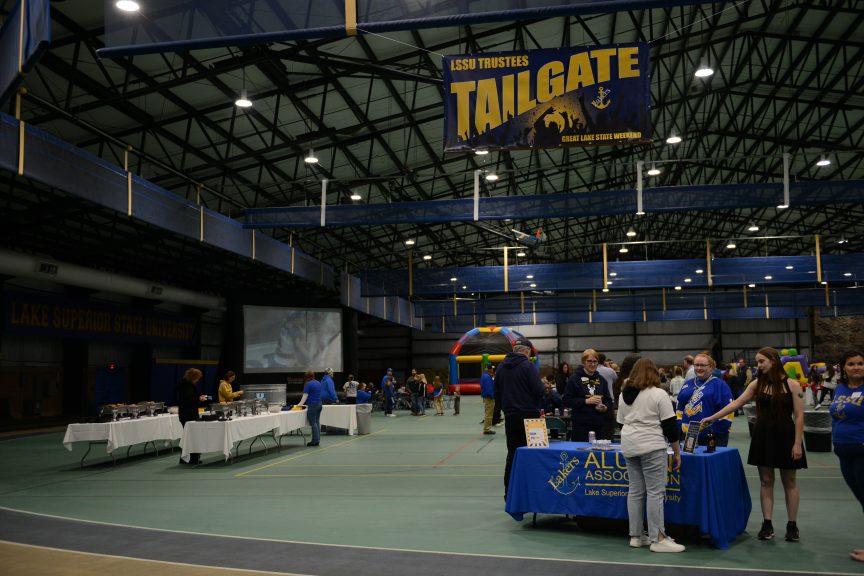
x: 328, y: 395
x: 487, y: 393
x: 520, y: 391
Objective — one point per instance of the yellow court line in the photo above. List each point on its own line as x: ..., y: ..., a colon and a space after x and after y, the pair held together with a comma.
x: 318, y: 451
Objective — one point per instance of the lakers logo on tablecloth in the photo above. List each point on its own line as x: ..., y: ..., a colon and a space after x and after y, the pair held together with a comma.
x: 560, y: 480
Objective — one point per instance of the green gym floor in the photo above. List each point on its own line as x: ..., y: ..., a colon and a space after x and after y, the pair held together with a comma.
x: 415, y: 485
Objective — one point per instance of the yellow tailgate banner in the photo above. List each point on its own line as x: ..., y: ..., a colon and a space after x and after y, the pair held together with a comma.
x: 547, y: 98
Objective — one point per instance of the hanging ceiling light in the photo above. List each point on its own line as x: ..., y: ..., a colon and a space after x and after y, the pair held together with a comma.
x: 782, y: 206
x: 631, y: 232
x: 687, y: 280
x: 790, y: 267
x: 311, y: 158
x: 529, y: 276
x: 491, y: 176
x: 654, y: 171
x: 427, y: 257
x: 751, y: 285
x: 753, y: 227
x: 704, y: 71
x: 769, y: 277
x: 699, y: 271
x: 623, y: 250
x: 605, y: 289
x: 409, y: 242
x: 520, y: 254
x: 613, y: 274
x: 842, y: 240
x: 464, y: 287
x: 677, y: 287
x: 847, y: 274
x: 127, y: 6
x: 356, y: 196
x: 731, y: 245
x: 533, y: 285
x: 243, y: 101
x: 823, y: 161
x: 673, y: 139
x: 453, y: 279
x: 608, y: 282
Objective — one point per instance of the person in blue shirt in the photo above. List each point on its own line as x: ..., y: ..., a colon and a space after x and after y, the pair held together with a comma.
x: 329, y: 394
x: 311, y: 398
x: 388, y: 389
x: 847, y: 427
x: 363, y: 396
x: 487, y: 393
x: 702, y: 396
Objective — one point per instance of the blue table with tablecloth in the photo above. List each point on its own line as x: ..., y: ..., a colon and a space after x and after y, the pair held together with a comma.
x: 709, y: 491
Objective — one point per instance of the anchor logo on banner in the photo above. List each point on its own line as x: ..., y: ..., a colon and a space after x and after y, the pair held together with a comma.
x: 560, y: 481
x: 602, y: 100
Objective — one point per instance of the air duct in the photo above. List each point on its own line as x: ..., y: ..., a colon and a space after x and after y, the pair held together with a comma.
x: 26, y: 266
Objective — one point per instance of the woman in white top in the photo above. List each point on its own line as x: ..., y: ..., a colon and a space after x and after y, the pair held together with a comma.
x: 676, y: 384
x: 647, y: 421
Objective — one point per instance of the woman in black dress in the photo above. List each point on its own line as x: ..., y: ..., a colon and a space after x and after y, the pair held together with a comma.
x: 776, y: 439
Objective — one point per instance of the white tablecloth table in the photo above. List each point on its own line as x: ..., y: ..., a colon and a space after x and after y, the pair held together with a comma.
x: 200, y: 437
x: 125, y: 433
x: 340, y: 416
x: 291, y: 420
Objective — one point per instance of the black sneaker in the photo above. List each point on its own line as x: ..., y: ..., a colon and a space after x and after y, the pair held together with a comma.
x: 792, y: 532
x: 767, y: 531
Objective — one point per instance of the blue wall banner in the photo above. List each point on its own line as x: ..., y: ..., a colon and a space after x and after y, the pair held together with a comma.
x: 581, y: 96
x: 64, y: 317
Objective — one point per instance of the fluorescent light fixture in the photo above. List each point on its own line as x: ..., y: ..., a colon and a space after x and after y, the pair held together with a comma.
x: 453, y: 279
x: 533, y: 285
x: 751, y: 285
x: 311, y: 158
x: 605, y: 289
x: 782, y: 206
x: 753, y: 227
x: 127, y: 6
x: 613, y: 274
x: 481, y: 152
x: 687, y: 280
x: 824, y: 282
x: 520, y: 254
x: 847, y: 274
x: 823, y: 162
x: 653, y: 171
x: 769, y: 277
x: 356, y: 196
x: 699, y: 271
x: 631, y: 232
x: 673, y: 139
x: 530, y: 276
x: 677, y: 287
x: 608, y: 282
x: 704, y: 72
x: 491, y: 176
x: 409, y: 242
x: 623, y: 250
x: 427, y: 257
x: 790, y: 267
x: 731, y: 245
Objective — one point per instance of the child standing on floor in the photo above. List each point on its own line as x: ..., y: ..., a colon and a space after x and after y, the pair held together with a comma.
x: 457, y: 397
x: 438, y: 396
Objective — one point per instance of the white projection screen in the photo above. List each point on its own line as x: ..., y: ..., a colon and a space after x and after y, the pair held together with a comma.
x: 291, y: 339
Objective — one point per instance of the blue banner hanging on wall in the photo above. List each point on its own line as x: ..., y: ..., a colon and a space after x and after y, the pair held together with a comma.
x: 581, y: 96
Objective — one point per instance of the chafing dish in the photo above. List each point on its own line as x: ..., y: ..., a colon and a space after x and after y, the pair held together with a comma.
x: 114, y: 411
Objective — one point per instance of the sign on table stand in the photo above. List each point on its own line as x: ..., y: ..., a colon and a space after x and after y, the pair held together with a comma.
x: 692, y: 438
x: 536, y: 433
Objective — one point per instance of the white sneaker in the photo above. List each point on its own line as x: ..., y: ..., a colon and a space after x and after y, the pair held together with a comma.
x: 817, y: 406
x: 667, y: 545
x: 640, y: 541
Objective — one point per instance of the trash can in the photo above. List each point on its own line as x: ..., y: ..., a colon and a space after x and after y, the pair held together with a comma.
x: 364, y: 418
x: 817, y: 431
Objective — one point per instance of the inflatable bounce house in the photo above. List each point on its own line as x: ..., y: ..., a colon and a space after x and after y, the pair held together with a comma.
x: 797, y: 367
x: 475, y: 350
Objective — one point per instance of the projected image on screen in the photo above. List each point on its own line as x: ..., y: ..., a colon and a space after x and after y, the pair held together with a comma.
x: 291, y: 339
